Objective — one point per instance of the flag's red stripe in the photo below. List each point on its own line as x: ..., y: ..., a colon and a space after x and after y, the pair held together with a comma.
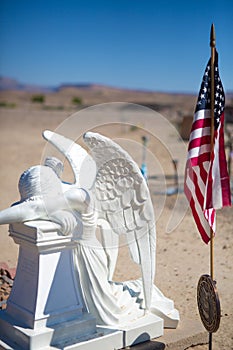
x: 225, y: 183
x: 212, y: 218
x: 201, y: 123
x: 203, y: 173
x: 201, y: 229
x: 226, y: 192
x: 196, y: 216
x: 199, y: 141
x: 204, y: 157
x: 199, y: 194
x: 209, y: 185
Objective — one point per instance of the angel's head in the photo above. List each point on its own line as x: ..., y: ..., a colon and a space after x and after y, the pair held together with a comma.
x: 38, y: 181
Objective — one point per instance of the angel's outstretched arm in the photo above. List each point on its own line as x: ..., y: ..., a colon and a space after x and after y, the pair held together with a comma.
x: 21, y: 212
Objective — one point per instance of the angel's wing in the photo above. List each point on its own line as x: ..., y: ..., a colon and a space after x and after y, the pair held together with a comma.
x: 84, y: 167
x: 124, y: 202
x: 79, y: 159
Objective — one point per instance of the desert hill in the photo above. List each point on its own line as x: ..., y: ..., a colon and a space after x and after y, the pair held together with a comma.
x: 64, y: 95
x: 71, y: 97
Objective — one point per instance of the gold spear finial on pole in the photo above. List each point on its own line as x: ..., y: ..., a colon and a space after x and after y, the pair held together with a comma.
x: 212, y: 36
x: 212, y: 45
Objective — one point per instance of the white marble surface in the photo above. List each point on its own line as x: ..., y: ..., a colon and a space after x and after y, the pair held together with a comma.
x: 45, y: 305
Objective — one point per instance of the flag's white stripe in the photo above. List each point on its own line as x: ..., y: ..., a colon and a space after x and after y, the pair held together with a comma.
x: 201, y: 184
x: 197, y: 133
x: 202, y: 114
x: 198, y: 208
x: 206, y: 166
x: 197, y: 151
x: 207, y: 214
x: 209, y: 218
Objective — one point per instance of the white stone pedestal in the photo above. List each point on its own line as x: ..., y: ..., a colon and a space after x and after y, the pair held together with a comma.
x: 45, y: 289
x: 45, y: 309
x: 45, y: 306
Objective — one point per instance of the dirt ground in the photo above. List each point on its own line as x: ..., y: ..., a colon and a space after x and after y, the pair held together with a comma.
x: 181, y: 255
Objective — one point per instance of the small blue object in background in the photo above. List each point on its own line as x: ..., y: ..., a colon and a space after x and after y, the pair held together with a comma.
x: 144, y: 171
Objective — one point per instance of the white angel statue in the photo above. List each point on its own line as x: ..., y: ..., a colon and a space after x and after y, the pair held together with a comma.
x: 118, y: 202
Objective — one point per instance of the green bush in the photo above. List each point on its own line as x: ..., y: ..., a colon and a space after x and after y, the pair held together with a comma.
x: 76, y: 100
x: 38, y: 98
x: 4, y: 104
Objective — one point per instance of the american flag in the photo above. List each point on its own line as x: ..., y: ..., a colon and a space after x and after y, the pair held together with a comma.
x: 207, y: 184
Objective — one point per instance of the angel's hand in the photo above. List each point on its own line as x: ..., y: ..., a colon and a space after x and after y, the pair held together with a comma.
x: 66, y: 219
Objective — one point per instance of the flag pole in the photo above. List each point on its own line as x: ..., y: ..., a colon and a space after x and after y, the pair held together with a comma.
x: 212, y: 45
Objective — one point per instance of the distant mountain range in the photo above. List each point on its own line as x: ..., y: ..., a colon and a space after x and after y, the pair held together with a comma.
x: 7, y: 84
x: 13, y: 84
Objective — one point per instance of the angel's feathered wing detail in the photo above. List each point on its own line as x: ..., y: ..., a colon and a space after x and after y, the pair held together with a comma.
x: 124, y: 201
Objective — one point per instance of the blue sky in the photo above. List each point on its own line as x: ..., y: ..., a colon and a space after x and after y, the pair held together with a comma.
x: 141, y: 44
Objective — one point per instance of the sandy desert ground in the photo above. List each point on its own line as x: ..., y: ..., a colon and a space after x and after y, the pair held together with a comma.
x: 181, y: 255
